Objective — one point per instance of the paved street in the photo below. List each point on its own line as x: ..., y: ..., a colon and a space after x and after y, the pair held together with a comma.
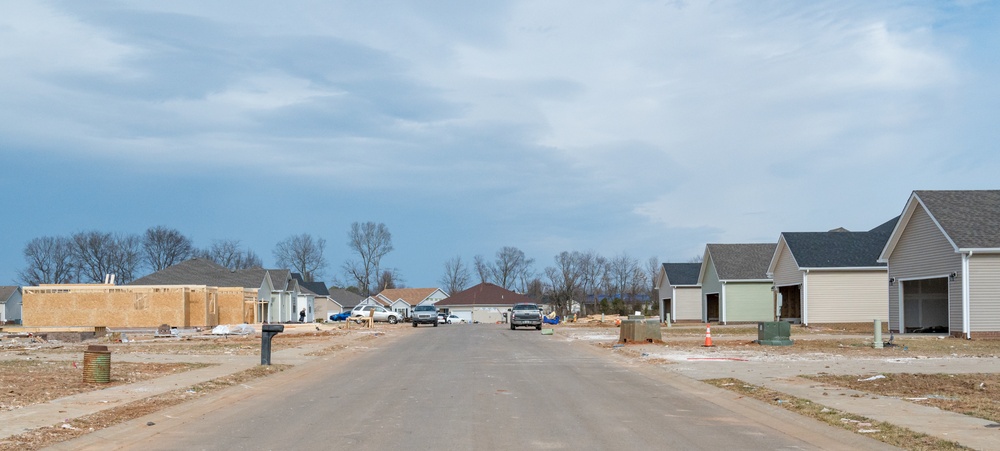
x: 474, y: 387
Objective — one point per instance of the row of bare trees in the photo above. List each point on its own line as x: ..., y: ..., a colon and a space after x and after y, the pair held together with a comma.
x: 88, y: 257
x: 574, y: 276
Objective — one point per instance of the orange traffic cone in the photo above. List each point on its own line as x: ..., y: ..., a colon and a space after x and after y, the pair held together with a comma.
x: 708, y: 336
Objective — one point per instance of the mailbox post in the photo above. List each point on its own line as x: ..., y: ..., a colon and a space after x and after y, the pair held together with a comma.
x: 268, y: 332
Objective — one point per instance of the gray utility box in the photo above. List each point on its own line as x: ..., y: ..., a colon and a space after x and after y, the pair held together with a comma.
x: 646, y: 330
x: 774, y: 333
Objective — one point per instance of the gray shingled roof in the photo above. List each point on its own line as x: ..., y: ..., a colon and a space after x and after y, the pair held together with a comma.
x: 682, y: 273
x: 742, y: 261
x: 199, y: 271
x: 344, y: 297
x: 839, y: 249
x: 317, y: 288
x: 6, y: 292
x: 970, y: 218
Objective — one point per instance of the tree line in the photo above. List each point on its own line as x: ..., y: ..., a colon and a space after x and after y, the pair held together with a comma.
x: 613, y: 285
x: 89, y: 256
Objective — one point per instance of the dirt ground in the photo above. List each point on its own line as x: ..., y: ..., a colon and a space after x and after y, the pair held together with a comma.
x: 970, y: 394
x: 34, y: 371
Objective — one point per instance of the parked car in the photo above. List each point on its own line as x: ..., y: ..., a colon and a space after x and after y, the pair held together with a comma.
x: 425, y: 314
x: 340, y: 316
x: 442, y: 318
x: 526, y: 314
x: 377, y: 312
x: 455, y: 319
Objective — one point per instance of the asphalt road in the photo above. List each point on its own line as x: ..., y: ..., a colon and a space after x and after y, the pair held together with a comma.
x: 480, y: 387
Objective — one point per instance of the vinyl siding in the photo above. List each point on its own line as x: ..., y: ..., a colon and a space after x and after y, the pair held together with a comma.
x: 924, y: 252
x: 749, y: 302
x: 847, y: 296
x: 687, y: 306
x: 984, y: 292
x: 786, y: 272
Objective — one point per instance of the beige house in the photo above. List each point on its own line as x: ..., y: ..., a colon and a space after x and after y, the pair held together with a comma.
x: 831, y: 277
x: 679, y: 291
x: 944, y: 264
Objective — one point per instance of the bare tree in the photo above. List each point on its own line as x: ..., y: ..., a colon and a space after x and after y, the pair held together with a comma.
x: 482, y: 268
x: 302, y: 253
x: 510, y: 267
x: 371, y: 242
x: 565, y: 279
x: 456, y: 275
x: 389, y: 279
x: 49, y: 260
x: 653, y: 266
x: 98, y: 254
x: 229, y: 254
x: 593, y: 267
x: 535, y: 289
x: 163, y: 247
x: 622, y: 270
x: 126, y: 257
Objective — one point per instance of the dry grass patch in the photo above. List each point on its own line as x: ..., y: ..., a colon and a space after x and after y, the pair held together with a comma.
x: 976, y: 395
x: 26, y: 382
x: 48, y: 436
x: 881, y: 431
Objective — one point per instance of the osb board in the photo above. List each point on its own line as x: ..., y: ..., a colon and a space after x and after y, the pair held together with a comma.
x: 231, y: 307
x: 110, y: 308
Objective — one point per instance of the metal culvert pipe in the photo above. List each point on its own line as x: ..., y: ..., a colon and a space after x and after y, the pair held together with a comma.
x: 97, y: 365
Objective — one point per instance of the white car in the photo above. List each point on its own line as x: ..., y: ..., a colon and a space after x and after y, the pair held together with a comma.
x: 380, y: 313
x: 452, y: 319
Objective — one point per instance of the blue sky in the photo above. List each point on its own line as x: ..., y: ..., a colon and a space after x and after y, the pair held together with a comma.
x: 643, y: 127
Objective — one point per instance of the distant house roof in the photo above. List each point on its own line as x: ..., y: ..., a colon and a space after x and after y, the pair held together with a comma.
x: 740, y: 261
x: 6, y: 292
x: 345, y: 298
x: 969, y: 219
x: 682, y: 273
x: 317, y: 288
x: 199, y: 271
x: 484, y: 294
x: 839, y: 249
x: 411, y: 296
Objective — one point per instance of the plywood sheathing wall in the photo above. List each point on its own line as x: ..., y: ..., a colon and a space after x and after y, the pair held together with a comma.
x: 236, y: 305
x: 121, y: 307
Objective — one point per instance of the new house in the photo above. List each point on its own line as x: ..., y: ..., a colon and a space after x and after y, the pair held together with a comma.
x: 831, y: 277
x: 943, y: 262
x: 734, y: 283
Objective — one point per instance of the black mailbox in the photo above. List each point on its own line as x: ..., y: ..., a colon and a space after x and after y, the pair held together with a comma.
x: 268, y: 332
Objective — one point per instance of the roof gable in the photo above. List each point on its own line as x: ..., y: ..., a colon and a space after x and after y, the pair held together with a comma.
x: 969, y: 219
x: 344, y: 297
x: 199, y: 271
x: 485, y: 294
x: 412, y: 296
x: 747, y: 261
x: 838, y: 249
x: 682, y: 273
x: 6, y: 292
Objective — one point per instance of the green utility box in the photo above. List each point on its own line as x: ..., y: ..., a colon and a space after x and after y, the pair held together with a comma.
x: 774, y: 333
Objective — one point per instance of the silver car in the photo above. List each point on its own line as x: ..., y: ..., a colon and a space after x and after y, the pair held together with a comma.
x: 377, y: 312
x: 425, y: 314
x: 526, y: 315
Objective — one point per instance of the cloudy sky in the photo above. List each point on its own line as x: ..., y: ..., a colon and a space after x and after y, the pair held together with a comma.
x: 642, y: 127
